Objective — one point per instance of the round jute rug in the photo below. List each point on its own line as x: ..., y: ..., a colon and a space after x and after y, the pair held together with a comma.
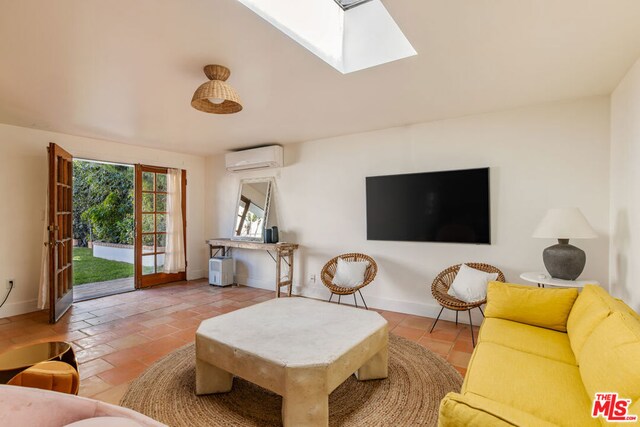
x: 418, y: 380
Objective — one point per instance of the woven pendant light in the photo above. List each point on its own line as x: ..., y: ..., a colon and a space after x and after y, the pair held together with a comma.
x: 216, y: 96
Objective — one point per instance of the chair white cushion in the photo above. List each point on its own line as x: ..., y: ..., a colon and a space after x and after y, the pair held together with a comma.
x: 350, y: 274
x: 470, y: 284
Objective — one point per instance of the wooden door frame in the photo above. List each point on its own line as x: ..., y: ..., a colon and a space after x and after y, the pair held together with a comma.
x: 142, y: 281
x: 58, y: 306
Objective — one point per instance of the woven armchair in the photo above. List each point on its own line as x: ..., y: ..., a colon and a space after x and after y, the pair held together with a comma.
x: 329, y: 271
x: 442, y: 283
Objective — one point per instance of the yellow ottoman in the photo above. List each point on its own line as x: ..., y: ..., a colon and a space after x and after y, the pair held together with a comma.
x: 55, y: 376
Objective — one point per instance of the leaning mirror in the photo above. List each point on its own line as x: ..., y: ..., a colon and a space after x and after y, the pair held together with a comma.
x: 252, y: 209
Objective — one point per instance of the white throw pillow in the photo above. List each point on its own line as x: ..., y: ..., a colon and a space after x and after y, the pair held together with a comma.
x: 470, y: 285
x: 350, y: 274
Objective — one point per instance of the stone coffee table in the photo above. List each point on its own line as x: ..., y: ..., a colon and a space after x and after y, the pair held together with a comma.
x: 299, y: 348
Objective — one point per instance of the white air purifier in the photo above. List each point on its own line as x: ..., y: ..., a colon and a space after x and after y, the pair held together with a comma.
x: 221, y: 271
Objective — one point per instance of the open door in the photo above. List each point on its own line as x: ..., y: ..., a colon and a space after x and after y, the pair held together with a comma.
x: 60, y: 229
x: 151, y: 226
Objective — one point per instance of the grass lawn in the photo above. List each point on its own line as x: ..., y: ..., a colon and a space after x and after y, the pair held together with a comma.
x: 87, y: 269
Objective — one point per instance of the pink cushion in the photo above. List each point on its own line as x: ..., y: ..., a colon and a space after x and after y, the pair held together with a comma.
x: 105, y: 422
x: 22, y: 406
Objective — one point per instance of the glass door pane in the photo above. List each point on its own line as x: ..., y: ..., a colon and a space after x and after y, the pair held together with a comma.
x: 151, y: 222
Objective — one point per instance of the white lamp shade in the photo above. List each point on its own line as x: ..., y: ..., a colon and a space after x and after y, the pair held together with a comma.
x: 564, y: 223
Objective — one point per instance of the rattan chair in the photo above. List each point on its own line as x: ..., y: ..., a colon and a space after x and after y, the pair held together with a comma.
x: 329, y: 271
x: 443, y: 282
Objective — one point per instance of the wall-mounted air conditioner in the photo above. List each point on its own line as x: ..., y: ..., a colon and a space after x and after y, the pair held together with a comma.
x: 255, y: 158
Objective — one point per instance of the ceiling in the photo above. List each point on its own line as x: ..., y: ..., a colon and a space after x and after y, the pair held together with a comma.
x: 126, y: 70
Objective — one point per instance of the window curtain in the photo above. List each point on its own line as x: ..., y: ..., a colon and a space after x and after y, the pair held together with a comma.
x: 174, y: 261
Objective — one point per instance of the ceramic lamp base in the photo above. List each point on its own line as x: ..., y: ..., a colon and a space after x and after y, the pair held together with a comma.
x: 564, y: 261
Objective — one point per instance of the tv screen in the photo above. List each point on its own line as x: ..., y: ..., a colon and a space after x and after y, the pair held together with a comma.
x: 449, y: 206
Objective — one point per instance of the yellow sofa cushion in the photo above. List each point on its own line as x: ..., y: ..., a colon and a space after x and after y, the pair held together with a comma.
x: 546, y: 308
x: 610, y: 358
x: 634, y: 409
x: 621, y: 306
x: 457, y: 410
x: 592, y: 306
x: 549, y: 390
x: 530, y: 339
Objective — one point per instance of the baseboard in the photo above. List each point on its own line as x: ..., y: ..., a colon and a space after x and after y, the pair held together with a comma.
x: 20, y: 307
x: 428, y: 309
x: 254, y: 282
x: 196, y: 274
x: 425, y: 309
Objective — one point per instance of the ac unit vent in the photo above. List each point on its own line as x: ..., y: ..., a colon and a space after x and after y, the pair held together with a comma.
x: 255, y: 158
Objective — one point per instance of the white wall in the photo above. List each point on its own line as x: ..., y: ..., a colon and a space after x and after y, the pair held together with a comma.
x: 122, y: 253
x: 23, y: 182
x: 625, y: 189
x: 540, y: 157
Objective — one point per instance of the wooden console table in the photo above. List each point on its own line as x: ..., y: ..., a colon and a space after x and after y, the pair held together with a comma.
x: 283, y: 253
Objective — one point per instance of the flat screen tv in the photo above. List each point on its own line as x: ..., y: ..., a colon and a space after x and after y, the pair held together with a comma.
x: 448, y: 206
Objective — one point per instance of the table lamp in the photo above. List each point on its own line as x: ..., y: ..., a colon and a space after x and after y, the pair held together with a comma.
x: 564, y: 261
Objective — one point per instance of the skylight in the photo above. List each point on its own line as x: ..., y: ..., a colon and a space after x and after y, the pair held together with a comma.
x: 349, y: 35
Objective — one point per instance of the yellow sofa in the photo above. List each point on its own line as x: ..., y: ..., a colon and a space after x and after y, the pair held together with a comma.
x: 542, y: 354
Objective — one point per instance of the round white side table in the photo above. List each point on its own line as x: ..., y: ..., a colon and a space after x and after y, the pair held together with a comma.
x: 543, y: 279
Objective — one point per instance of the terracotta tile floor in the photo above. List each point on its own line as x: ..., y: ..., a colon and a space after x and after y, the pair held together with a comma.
x: 117, y: 337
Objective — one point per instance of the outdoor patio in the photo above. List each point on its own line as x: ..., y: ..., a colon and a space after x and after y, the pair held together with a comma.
x: 101, y: 289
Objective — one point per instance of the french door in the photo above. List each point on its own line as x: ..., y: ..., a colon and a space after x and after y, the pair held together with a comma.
x: 151, y: 226
x: 60, y: 228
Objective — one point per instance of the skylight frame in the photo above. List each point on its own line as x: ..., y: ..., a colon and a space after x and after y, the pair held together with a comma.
x: 350, y: 4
